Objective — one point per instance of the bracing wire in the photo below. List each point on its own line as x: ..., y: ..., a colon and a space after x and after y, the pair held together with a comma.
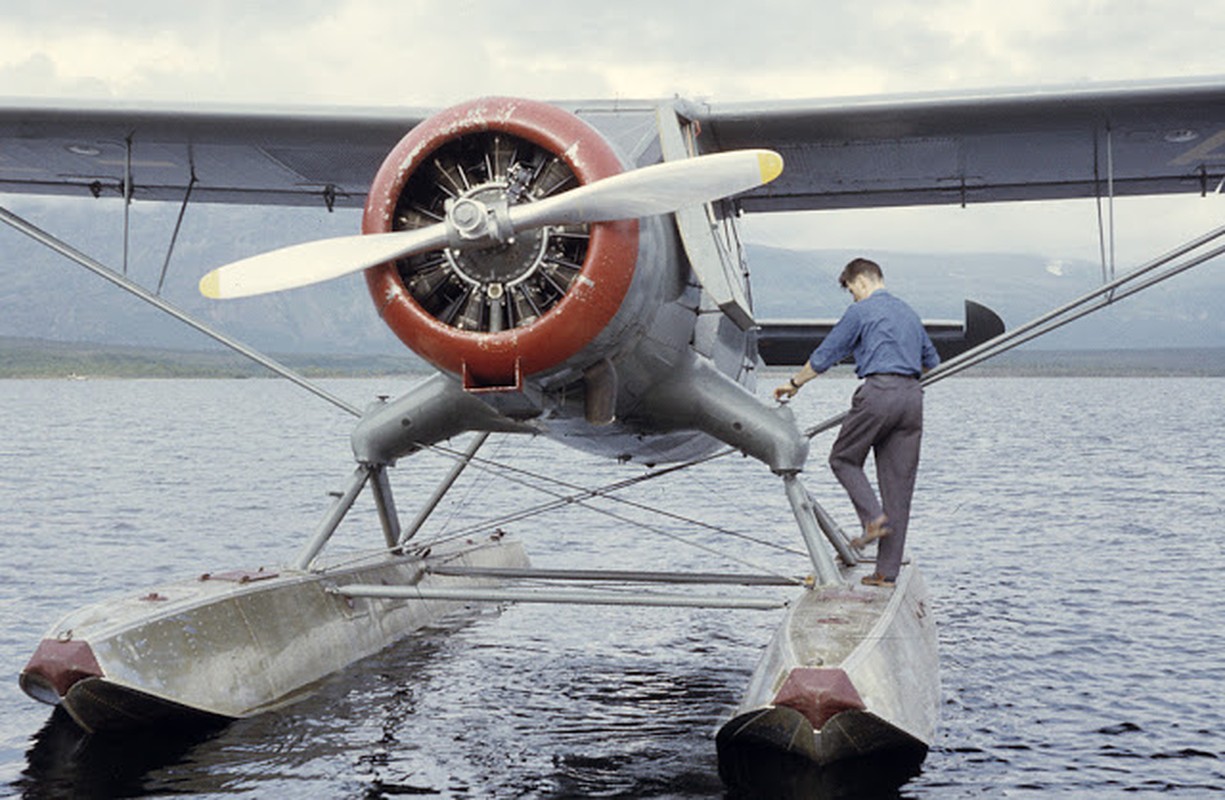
x: 579, y: 495
x: 483, y: 466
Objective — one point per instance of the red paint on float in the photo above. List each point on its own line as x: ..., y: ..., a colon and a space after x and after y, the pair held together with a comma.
x: 57, y: 665
x: 497, y: 359
x: 819, y: 694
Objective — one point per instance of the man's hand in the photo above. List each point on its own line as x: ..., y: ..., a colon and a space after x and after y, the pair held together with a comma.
x: 787, y: 391
x: 793, y: 384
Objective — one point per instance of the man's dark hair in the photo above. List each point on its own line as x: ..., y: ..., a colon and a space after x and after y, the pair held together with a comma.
x: 857, y: 267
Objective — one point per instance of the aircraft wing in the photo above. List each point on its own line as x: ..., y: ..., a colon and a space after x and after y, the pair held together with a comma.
x: 1141, y: 137
x: 246, y: 155
x: 1035, y: 144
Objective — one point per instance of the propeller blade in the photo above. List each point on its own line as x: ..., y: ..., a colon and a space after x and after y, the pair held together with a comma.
x: 312, y: 262
x: 657, y: 189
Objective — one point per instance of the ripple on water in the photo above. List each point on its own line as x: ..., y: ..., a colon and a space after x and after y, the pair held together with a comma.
x: 1070, y: 553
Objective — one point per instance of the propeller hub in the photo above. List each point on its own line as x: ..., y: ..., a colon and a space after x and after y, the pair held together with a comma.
x: 468, y: 216
x: 484, y: 252
x: 505, y: 264
x: 479, y: 218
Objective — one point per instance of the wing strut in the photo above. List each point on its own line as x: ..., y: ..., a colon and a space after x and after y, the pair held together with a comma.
x: 127, y: 199
x: 105, y: 272
x: 178, y: 224
x: 1102, y: 228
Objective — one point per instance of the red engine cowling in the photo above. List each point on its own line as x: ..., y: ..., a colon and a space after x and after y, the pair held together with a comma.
x: 502, y: 313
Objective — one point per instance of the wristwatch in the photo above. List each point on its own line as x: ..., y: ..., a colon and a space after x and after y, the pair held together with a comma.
x: 794, y: 385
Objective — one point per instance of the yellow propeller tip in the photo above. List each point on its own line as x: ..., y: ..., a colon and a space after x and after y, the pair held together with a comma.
x: 771, y: 165
x: 210, y: 285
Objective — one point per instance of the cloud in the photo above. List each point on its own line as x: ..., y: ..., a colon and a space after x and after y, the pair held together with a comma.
x: 426, y: 53
x: 420, y: 52
x: 97, y: 62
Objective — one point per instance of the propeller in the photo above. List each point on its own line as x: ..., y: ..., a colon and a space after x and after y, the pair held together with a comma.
x: 470, y: 223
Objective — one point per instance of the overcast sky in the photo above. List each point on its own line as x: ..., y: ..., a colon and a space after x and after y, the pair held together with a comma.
x: 431, y: 52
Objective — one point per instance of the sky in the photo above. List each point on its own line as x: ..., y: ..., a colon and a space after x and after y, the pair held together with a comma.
x: 431, y: 53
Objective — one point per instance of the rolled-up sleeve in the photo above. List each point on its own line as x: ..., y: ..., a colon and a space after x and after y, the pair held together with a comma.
x: 838, y: 344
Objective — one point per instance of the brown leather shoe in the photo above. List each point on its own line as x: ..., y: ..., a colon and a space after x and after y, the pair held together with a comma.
x: 876, y: 579
x: 876, y: 529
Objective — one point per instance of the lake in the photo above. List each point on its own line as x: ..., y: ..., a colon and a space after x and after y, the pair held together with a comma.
x: 1070, y: 530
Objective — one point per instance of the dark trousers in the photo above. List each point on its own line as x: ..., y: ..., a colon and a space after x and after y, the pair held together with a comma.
x: 886, y: 417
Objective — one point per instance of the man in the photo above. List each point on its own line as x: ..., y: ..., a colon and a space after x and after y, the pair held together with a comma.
x: 891, y: 351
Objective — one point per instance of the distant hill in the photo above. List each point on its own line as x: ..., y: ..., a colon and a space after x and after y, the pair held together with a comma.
x: 46, y: 297
x: 39, y: 358
x: 1159, y: 362
x: 1185, y: 311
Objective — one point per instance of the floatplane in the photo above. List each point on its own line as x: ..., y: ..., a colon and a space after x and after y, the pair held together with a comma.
x: 574, y: 270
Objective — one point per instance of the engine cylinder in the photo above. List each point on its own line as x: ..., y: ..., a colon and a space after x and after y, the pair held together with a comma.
x: 499, y: 314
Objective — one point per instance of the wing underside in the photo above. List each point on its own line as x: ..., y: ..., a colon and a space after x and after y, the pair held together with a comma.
x: 1040, y: 144
x: 1122, y: 139
x: 285, y: 157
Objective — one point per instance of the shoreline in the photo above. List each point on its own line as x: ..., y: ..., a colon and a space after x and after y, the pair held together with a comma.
x: 44, y: 359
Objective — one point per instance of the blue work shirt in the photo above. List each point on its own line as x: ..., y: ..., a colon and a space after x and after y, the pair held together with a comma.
x: 883, y: 334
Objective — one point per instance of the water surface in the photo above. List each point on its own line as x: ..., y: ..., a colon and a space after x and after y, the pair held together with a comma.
x: 1070, y: 530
